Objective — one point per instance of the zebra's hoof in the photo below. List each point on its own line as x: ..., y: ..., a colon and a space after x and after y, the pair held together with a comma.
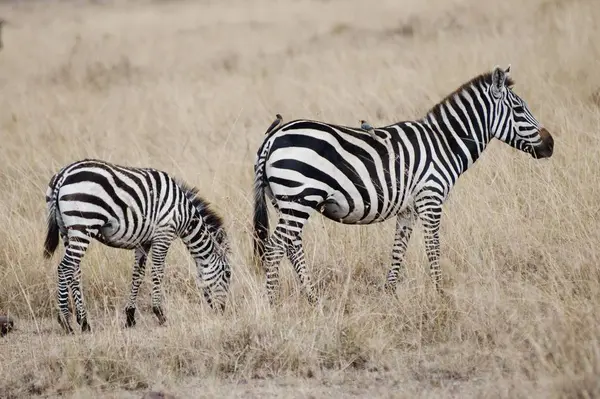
x: 64, y: 323
x: 218, y: 308
x: 159, y: 315
x: 85, y: 327
x: 389, y: 288
x: 130, y: 316
x: 68, y: 330
x: 273, y: 302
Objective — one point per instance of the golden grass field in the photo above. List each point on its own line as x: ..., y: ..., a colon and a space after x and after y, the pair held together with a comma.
x: 190, y: 87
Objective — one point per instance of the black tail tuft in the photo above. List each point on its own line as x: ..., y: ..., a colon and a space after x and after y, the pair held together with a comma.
x: 261, y: 221
x: 51, y: 242
x: 261, y: 212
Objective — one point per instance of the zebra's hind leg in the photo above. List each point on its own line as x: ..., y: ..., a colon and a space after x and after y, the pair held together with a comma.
x: 295, y: 253
x: 80, y: 312
x: 139, y: 271
x: 63, y: 299
x: 404, y: 227
x: 160, y: 247
x: 286, y: 239
x: 69, y: 277
x: 274, y: 251
x: 65, y: 240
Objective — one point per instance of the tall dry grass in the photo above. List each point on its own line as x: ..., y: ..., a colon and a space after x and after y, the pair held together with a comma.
x: 190, y: 87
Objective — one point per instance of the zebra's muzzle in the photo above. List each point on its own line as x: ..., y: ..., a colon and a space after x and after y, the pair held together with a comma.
x: 545, y: 149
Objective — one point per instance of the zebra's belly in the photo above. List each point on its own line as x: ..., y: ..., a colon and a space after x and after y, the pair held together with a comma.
x: 337, y: 213
x: 117, y: 244
x: 341, y: 213
x: 116, y: 235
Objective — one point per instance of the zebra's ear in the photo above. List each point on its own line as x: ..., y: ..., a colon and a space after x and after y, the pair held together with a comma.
x: 509, y: 82
x: 223, y: 240
x: 499, y: 80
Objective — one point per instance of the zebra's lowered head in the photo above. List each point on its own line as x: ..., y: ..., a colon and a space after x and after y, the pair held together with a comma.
x: 512, y: 121
x: 214, y: 272
x: 216, y: 280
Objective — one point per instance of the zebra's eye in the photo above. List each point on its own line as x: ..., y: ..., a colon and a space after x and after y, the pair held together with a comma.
x: 227, y: 274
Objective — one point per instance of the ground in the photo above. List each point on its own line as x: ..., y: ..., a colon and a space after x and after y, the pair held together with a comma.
x: 191, y: 86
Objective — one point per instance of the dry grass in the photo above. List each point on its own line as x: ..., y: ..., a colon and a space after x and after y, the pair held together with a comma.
x: 190, y: 87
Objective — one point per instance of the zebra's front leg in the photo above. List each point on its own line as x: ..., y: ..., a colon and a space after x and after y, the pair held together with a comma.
x: 404, y: 227
x: 159, y: 253
x: 295, y: 253
x: 431, y: 218
x: 139, y: 271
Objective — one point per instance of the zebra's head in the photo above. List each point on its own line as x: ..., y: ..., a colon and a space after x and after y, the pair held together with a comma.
x: 214, y: 270
x: 216, y: 286
x: 512, y: 121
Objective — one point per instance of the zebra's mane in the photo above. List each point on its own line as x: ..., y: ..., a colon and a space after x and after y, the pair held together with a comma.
x: 480, y: 80
x: 213, y: 221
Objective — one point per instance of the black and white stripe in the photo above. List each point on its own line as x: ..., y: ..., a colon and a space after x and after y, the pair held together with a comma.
x: 405, y: 170
x: 132, y: 208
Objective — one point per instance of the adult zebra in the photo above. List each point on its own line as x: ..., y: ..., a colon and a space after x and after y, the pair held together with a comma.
x: 407, y: 171
x: 132, y: 208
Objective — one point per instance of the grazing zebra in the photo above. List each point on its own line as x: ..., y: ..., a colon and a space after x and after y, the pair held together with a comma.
x: 132, y: 208
x: 353, y: 178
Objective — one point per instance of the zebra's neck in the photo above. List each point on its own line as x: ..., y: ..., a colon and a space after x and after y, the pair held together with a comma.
x: 462, y: 120
x: 198, y: 239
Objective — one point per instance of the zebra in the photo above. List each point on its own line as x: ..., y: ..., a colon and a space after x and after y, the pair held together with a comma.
x: 350, y: 177
x: 132, y: 208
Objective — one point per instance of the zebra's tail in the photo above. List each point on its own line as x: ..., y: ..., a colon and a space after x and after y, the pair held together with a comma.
x: 52, y: 236
x: 261, y: 215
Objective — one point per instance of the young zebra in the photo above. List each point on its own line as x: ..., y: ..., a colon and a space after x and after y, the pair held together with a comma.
x: 353, y: 178
x: 132, y: 208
